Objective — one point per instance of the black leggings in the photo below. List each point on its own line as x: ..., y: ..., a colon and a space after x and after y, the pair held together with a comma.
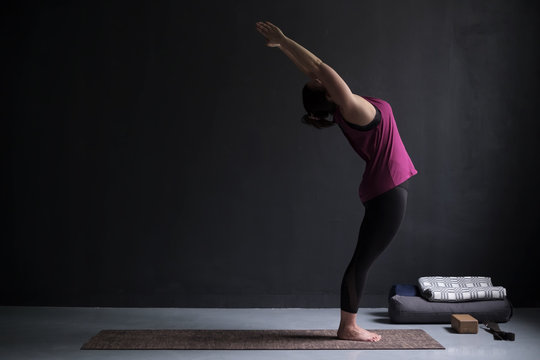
x: 381, y: 222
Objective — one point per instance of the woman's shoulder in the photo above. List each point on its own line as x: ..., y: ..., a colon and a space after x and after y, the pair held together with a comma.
x: 381, y: 104
x: 373, y: 99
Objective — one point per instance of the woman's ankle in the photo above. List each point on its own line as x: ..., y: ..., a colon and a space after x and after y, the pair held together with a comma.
x: 348, y: 320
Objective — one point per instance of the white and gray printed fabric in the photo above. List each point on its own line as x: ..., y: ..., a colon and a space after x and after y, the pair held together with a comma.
x: 459, y: 288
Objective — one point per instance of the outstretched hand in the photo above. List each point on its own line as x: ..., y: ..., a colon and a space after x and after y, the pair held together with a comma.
x: 271, y: 32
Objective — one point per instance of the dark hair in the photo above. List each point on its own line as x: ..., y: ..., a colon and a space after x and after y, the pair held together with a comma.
x: 318, y: 107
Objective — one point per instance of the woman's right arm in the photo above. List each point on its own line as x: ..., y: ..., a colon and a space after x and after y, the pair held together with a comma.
x: 301, y: 57
x: 355, y: 108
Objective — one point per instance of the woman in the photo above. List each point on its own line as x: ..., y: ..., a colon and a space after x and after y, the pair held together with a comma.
x: 369, y: 125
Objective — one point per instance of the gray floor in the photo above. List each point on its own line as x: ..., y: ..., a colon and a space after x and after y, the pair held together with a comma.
x: 59, y: 332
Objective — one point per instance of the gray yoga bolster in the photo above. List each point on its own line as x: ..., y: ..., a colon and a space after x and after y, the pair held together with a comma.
x: 417, y: 310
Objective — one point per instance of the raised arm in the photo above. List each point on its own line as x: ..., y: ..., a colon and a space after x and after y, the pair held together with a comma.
x: 355, y: 108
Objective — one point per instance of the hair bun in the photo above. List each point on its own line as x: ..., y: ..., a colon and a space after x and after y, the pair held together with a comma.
x: 318, y: 122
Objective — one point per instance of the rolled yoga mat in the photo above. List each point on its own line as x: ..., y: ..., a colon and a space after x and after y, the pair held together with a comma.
x: 254, y: 340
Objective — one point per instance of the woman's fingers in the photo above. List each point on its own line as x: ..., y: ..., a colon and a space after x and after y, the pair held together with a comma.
x: 267, y: 26
x: 270, y: 32
x: 274, y: 28
x: 262, y: 29
x: 262, y: 25
x: 271, y: 26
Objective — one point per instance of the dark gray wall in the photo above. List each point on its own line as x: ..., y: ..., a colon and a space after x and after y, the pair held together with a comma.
x: 154, y: 154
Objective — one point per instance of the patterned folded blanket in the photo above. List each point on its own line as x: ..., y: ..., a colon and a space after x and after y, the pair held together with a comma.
x: 459, y: 288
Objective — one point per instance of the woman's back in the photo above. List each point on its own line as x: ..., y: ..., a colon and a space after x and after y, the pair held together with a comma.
x: 387, y: 162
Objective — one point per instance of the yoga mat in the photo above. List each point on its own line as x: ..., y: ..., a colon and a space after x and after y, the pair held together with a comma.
x: 254, y: 340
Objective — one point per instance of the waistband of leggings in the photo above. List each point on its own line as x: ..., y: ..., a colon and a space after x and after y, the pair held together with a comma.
x: 405, y: 184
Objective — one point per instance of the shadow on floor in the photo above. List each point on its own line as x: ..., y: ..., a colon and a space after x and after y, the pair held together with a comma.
x: 382, y: 317
x: 450, y: 330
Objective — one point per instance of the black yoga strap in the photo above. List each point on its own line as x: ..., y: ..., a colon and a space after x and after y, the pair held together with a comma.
x: 498, y: 334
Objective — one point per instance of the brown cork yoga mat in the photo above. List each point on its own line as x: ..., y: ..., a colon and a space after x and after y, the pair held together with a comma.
x: 254, y: 340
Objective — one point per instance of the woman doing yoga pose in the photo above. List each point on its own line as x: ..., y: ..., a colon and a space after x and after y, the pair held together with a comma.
x: 369, y: 125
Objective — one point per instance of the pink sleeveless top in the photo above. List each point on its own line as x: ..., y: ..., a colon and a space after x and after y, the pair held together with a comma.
x: 387, y: 162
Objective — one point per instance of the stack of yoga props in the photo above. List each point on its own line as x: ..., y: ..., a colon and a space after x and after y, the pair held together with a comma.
x: 436, y: 298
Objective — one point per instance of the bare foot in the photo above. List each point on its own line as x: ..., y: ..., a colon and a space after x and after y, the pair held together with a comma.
x: 357, y: 333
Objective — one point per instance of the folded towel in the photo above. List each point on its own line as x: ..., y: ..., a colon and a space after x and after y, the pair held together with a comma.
x: 459, y: 288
